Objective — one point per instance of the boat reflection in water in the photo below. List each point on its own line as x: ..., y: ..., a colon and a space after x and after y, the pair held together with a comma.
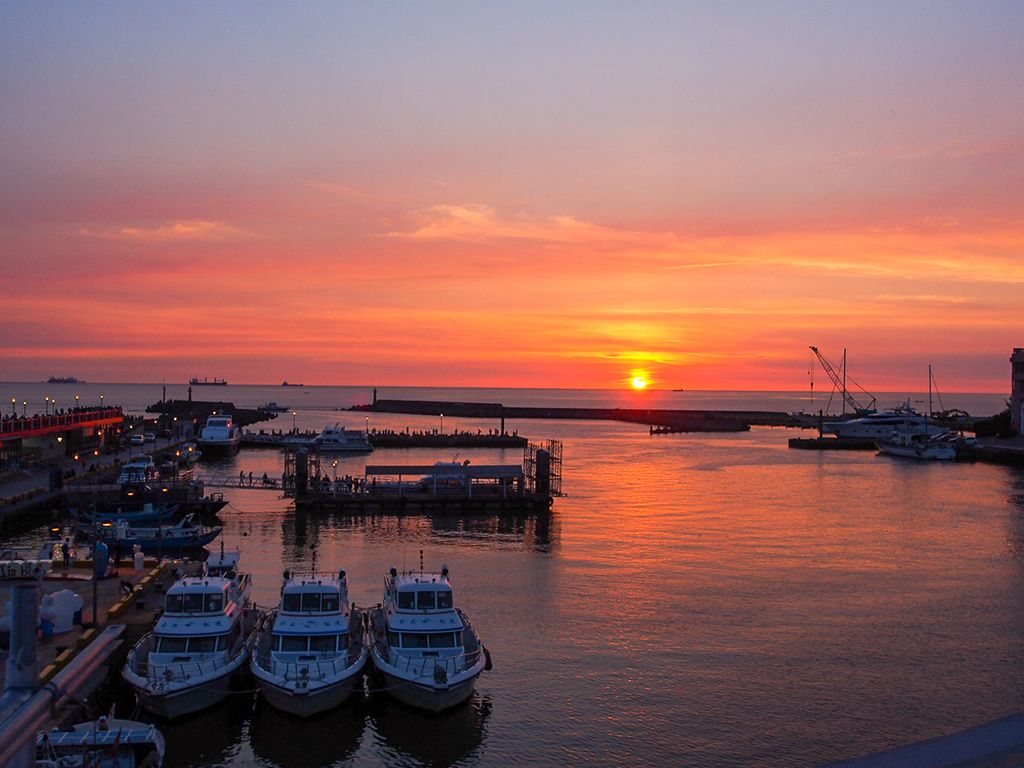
x: 329, y: 738
x: 211, y: 737
x: 539, y: 532
x: 423, y: 738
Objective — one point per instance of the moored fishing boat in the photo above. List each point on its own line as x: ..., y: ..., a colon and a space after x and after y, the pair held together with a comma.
x: 199, y: 645
x: 104, y: 742
x: 424, y: 647
x: 184, y: 534
x: 309, y: 653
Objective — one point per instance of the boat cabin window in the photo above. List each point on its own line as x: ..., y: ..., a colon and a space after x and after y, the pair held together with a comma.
x: 314, y: 644
x: 311, y: 601
x: 425, y: 639
x: 426, y: 600
x: 407, y: 600
x: 195, y: 602
x: 444, y: 599
x: 207, y: 644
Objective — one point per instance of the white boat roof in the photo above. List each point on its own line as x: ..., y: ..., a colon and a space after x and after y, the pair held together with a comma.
x: 194, y: 625
x: 423, y: 621
x: 422, y: 582
x: 207, y: 585
x: 229, y: 558
x: 314, y: 582
x: 294, y: 624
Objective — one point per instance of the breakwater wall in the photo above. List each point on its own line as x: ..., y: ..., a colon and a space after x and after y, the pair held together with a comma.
x: 678, y: 420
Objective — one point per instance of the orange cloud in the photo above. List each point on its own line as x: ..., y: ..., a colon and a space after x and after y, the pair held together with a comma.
x: 173, y: 231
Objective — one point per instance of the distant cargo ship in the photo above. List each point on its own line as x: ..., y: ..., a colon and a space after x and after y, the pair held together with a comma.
x: 286, y: 384
x: 197, y: 382
x: 63, y: 380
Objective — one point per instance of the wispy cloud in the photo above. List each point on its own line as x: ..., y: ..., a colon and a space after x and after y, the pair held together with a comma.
x: 198, y: 230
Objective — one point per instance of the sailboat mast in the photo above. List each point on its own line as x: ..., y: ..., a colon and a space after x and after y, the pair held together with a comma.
x: 929, y: 389
x: 844, y: 381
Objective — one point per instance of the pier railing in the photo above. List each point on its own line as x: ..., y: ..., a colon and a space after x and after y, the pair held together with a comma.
x: 32, y: 424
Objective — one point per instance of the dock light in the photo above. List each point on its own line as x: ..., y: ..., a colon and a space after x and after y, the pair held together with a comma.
x: 131, y: 493
x: 76, y: 457
x: 60, y: 438
x: 107, y: 524
x: 96, y: 452
x: 178, y: 454
x: 164, y: 490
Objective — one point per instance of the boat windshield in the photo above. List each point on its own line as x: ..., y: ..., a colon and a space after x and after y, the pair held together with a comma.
x: 195, y: 602
x: 425, y: 639
x: 310, y: 643
x: 206, y: 644
x: 312, y: 601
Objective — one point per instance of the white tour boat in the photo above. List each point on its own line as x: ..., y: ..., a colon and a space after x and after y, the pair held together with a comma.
x: 105, y: 742
x: 424, y: 647
x: 309, y: 653
x: 220, y: 435
x: 337, y: 439
x: 199, y: 645
x: 882, y: 424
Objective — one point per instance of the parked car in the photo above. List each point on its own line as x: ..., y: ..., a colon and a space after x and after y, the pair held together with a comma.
x: 137, y: 439
x: 150, y: 437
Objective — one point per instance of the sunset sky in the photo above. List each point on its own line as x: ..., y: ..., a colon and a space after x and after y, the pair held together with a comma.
x: 515, y: 194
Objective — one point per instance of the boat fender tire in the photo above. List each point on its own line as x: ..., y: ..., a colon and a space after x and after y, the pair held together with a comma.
x: 488, y: 665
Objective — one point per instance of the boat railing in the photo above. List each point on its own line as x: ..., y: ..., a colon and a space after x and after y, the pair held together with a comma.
x: 298, y: 671
x: 183, y: 670
x: 426, y: 667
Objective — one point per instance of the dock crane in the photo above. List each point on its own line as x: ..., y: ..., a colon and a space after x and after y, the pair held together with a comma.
x: 839, y: 382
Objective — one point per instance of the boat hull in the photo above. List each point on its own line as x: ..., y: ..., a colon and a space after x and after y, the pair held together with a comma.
x: 311, y: 703
x: 430, y: 698
x: 184, y: 701
x: 928, y: 453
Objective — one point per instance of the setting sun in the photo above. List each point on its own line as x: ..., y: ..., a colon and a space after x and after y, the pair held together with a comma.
x: 639, y: 382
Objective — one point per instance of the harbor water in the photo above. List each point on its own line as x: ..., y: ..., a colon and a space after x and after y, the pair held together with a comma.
x: 694, y: 599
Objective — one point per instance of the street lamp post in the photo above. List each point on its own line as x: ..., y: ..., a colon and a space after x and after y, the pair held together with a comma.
x: 76, y: 402
x: 442, y: 423
x: 294, y: 430
x: 101, y: 401
x: 47, y: 405
x: 367, y: 424
x: 14, y: 406
x: 24, y: 408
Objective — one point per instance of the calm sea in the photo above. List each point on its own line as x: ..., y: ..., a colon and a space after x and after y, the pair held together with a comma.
x: 710, y: 600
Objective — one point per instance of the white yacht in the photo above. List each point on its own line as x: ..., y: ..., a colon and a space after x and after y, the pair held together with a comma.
x: 199, y: 645
x: 424, y: 647
x: 882, y: 425
x: 309, y: 653
x: 220, y: 434
x: 337, y: 439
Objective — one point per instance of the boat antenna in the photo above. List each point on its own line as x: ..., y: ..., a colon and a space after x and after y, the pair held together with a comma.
x: 312, y: 548
x: 421, y: 562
